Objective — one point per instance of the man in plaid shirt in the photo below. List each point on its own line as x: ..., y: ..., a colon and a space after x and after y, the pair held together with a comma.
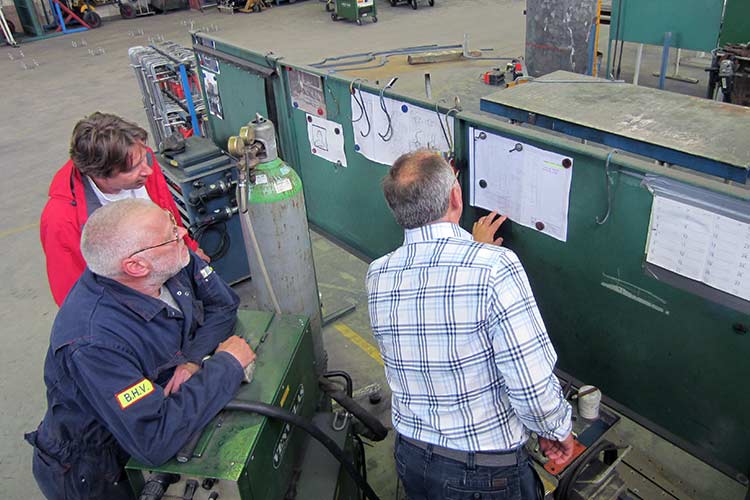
x: 465, y: 349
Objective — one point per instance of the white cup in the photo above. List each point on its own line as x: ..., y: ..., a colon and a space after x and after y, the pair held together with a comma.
x: 588, y: 404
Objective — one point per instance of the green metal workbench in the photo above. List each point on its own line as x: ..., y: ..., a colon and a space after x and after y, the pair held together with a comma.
x: 681, y: 372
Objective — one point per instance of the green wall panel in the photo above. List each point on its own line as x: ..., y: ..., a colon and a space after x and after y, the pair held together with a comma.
x: 684, y: 371
x: 694, y: 24
x: 242, y: 94
x: 736, y: 25
x: 346, y: 202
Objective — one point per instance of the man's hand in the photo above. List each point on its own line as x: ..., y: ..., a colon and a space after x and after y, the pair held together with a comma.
x: 239, y: 348
x: 181, y: 374
x: 200, y: 253
x: 485, y: 228
x: 557, y: 451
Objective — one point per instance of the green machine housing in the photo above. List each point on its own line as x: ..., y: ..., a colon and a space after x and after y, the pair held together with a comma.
x: 354, y: 10
x: 249, y: 456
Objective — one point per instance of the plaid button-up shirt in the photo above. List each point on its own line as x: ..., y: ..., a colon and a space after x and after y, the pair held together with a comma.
x: 466, y: 353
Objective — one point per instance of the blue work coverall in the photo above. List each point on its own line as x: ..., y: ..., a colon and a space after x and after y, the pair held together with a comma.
x: 112, y: 350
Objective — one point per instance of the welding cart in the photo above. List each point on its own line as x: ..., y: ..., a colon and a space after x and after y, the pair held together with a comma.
x: 353, y: 10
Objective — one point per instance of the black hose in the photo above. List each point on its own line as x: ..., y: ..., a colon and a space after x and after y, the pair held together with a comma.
x: 345, y: 376
x: 290, y: 418
x: 568, y: 480
x: 378, y: 431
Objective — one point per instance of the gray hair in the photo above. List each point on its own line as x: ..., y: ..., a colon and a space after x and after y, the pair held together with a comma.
x: 110, y: 235
x: 417, y: 188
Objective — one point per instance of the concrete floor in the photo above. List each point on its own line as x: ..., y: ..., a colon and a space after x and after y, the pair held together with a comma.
x: 41, y: 105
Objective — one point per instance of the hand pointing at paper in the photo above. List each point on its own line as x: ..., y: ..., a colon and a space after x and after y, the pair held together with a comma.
x: 485, y: 228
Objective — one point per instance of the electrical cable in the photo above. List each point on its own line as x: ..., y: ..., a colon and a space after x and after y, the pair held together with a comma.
x: 608, y: 180
x: 442, y: 127
x: 362, y: 459
x: 448, y: 126
x: 224, y: 239
x: 378, y: 431
x: 311, y: 429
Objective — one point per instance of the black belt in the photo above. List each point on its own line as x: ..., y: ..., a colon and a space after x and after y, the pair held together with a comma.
x: 481, y: 458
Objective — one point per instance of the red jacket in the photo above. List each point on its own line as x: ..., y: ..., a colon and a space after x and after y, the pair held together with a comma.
x: 64, y: 216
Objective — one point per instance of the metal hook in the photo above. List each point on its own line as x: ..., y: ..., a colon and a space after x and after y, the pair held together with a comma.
x: 608, y: 180
x: 361, y: 103
x: 335, y: 101
x: 354, y: 94
x: 389, y: 131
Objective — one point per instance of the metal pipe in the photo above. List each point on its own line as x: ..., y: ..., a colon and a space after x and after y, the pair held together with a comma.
x: 467, y: 53
x: 638, y: 59
x: 665, y: 59
x: 189, y: 100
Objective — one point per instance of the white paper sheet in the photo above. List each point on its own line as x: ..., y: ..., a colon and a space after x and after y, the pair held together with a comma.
x: 530, y: 186
x: 412, y: 128
x: 701, y: 245
x: 213, y: 97
x: 326, y: 139
x: 306, y: 92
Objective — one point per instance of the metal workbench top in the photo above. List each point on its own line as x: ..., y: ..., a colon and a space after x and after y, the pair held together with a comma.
x: 696, y: 133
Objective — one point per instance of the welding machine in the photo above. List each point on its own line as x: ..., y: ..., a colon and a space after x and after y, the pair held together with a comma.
x: 257, y: 447
x: 203, y: 181
x: 353, y: 10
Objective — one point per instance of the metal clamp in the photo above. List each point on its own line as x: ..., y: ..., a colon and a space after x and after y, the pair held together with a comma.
x: 339, y: 424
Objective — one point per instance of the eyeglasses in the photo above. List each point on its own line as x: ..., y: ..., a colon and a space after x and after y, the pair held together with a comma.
x: 176, y: 236
x: 455, y: 172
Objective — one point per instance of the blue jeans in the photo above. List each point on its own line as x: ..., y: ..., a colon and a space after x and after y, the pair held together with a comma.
x: 429, y: 476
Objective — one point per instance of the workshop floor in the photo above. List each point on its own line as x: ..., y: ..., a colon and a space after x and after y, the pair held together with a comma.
x: 65, y: 81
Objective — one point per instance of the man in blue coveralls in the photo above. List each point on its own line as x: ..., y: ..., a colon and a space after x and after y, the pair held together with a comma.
x: 125, y: 371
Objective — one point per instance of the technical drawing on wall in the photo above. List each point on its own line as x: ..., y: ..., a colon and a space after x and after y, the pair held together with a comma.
x: 326, y: 139
x: 529, y: 185
x: 701, y: 245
